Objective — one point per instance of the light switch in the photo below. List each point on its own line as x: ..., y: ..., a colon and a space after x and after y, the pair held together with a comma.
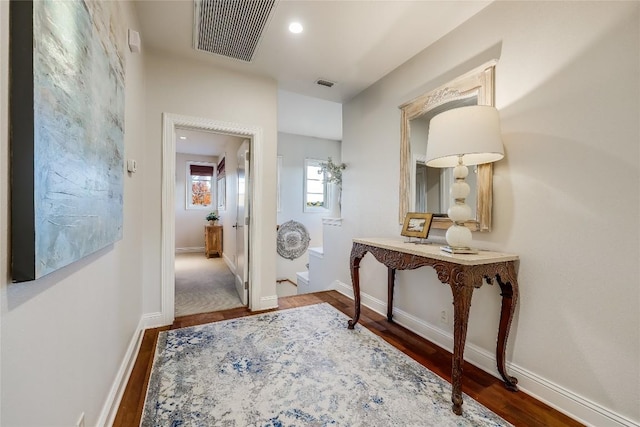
x: 132, y: 165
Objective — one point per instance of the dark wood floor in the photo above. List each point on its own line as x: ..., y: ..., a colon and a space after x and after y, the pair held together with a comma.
x: 517, y: 408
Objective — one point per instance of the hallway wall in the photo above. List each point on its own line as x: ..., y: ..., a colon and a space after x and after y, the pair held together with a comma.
x: 199, y: 90
x: 65, y: 335
x: 566, y: 196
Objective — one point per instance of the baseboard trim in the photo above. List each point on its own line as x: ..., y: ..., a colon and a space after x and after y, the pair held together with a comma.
x: 554, y: 395
x: 190, y: 250
x: 153, y: 320
x: 229, y: 263
x: 268, y: 302
x: 110, y: 408
x: 568, y: 402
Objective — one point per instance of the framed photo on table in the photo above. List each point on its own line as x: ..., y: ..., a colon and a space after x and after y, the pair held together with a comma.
x: 417, y: 224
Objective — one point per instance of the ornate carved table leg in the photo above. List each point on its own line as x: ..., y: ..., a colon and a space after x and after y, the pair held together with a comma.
x: 461, y: 305
x: 357, y: 253
x: 391, y: 276
x: 509, y: 292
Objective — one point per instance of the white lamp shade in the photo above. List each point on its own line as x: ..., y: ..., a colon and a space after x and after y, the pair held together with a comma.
x: 471, y: 132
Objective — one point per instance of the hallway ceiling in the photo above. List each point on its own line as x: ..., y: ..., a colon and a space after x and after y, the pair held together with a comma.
x: 352, y: 43
x: 202, y: 142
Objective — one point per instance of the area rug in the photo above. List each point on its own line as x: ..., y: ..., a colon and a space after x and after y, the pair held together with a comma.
x: 295, y: 367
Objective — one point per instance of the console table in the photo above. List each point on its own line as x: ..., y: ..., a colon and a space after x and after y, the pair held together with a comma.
x: 462, y: 273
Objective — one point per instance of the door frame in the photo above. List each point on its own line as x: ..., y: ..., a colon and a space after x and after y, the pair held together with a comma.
x: 244, y: 164
x: 256, y: 144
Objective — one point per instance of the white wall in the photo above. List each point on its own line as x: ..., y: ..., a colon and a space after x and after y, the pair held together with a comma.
x: 566, y: 196
x: 189, y: 222
x: 64, y: 336
x: 228, y: 215
x: 199, y: 90
x: 304, y: 115
x: 294, y: 149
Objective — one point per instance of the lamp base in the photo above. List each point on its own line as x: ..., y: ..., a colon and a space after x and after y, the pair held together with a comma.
x: 454, y: 250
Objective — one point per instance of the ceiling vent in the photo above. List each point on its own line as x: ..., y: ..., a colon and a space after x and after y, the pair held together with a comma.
x: 231, y: 27
x: 323, y: 82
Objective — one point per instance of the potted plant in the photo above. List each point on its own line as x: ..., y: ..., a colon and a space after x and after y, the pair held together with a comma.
x: 333, y: 175
x: 213, y: 218
x: 333, y: 171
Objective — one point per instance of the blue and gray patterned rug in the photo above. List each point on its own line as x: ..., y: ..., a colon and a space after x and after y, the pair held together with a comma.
x: 296, y: 367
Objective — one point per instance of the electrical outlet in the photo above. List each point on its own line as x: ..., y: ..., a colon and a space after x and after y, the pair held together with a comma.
x: 444, y: 317
x: 80, y: 422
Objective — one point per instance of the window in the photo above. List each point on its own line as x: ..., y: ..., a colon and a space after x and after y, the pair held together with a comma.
x: 221, y: 181
x: 222, y: 193
x: 315, y: 187
x: 199, y: 185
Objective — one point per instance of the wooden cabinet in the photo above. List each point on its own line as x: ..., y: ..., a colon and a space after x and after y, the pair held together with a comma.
x: 212, y: 240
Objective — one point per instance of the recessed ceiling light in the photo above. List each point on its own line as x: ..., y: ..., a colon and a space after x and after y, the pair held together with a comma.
x: 295, y: 27
x: 183, y: 137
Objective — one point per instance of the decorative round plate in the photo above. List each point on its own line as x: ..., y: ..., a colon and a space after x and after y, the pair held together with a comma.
x: 293, y: 240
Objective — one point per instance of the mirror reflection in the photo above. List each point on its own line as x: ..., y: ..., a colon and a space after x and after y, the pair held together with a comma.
x: 431, y: 185
x: 424, y: 189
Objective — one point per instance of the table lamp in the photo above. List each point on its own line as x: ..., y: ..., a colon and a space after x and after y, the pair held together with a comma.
x: 458, y: 138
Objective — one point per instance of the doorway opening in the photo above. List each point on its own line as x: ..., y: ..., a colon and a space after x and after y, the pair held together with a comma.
x: 209, y: 213
x: 251, y: 138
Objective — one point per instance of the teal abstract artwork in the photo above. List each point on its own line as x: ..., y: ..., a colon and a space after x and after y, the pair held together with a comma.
x: 68, y: 165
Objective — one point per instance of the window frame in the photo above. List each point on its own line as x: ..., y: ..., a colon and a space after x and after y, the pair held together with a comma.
x: 221, y: 183
x: 221, y: 193
x: 188, y: 186
x: 279, y: 184
x: 326, y: 189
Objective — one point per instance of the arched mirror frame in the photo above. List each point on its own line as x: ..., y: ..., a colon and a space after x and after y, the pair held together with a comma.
x: 478, y: 82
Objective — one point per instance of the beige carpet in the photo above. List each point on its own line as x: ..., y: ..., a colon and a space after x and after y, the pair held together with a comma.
x: 203, y: 285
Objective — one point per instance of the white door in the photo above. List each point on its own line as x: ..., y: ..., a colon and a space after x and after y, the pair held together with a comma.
x: 242, y: 229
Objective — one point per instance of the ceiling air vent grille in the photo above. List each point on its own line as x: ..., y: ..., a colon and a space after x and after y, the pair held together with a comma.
x: 324, y: 82
x: 231, y: 27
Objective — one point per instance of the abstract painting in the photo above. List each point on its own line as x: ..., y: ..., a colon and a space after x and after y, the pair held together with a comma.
x: 67, y: 133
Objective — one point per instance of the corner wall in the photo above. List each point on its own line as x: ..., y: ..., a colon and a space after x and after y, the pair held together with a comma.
x: 566, y: 196
x: 294, y: 149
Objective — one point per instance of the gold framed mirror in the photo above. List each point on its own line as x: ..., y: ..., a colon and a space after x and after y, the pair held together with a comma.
x: 473, y: 88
